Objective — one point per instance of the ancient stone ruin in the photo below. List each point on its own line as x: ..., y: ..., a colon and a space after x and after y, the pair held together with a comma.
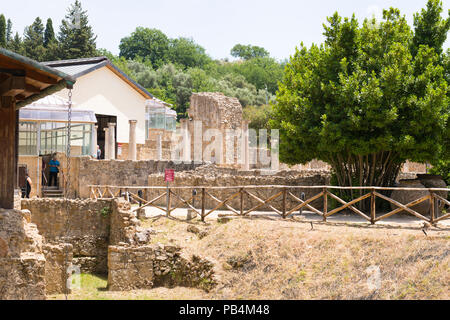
x: 40, y: 245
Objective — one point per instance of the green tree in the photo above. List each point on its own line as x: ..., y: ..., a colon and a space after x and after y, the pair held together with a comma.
x: 76, y: 37
x: 49, y: 34
x: 9, y: 36
x: 247, y: 52
x: 16, y: 44
x: 151, y: 44
x: 361, y: 102
x: 2, y: 31
x: 187, y: 53
x: 33, y: 41
x: 262, y: 72
x: 430, y: 28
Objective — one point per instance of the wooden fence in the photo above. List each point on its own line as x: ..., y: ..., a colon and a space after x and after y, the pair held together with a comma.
x: 175, y: 201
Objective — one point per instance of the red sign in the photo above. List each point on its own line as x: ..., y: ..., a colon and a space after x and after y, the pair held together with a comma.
x: 169, y: 175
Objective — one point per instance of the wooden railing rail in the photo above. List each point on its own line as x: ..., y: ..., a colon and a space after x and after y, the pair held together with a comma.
x: 280, y: 193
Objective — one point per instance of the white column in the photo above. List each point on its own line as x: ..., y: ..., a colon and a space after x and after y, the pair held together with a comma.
x: 186, y: 141
x: 275, y: 150
x: 132, y: 149
x: 107, y: 157
x: 245, y: 146
x: 112, y: 141
x: 94, y: 141
x: 198, y: 141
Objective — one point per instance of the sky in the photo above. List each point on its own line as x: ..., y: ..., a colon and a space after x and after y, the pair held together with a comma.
x: 277, y: 25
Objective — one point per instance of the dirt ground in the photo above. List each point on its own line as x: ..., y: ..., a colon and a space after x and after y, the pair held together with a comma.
x: 270, y: 258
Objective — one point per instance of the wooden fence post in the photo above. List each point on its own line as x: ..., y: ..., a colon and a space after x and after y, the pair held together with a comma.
x: 432, y: 207
x: 325, y: 204
x: 372, y: 207
x: 168, y: 202
x: 284, y: 202
x: 203, y: 204
x: 242, y: 201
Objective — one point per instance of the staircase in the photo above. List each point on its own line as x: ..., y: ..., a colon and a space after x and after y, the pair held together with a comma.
x: 52, y: 192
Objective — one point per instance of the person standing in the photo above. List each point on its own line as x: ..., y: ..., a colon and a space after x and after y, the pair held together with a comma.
x: 54, y: 170
x: 99, y: 152
x: 28, y: 186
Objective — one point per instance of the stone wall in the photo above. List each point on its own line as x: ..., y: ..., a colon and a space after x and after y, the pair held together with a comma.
x: 86, y: 226
x: 22, y: 262
x: 90, y: 226
x: 146, y: 267
x: 58, y: 260
x: 87, y: 171
x: 212, y: 176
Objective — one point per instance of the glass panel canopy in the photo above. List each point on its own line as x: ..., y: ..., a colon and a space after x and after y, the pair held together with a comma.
x: 159, y: 116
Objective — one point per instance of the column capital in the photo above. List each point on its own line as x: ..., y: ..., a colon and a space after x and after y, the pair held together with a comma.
x: 111, y: 124
x: 132, y: 121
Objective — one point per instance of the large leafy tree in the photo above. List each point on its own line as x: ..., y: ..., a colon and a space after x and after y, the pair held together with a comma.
x: 186, y: 53
x: 430, y: 28
x: 76, y: 37
x: 151, y: 44
x: 361, y: 102
x: 247, y: 52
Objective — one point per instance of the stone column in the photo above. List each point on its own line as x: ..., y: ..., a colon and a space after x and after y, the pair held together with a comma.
x: 132, y: 149
x: 274, y: 150
x: 94, y: 141
x: 106, y: 155
x: 245, y: 147
x: 198, y: 141
x: 159, y: 147
x: 112, y: 141
x: 186, y: 141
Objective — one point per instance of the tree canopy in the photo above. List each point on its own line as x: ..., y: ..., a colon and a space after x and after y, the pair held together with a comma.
x: 247, y: 52
x: 362, y: 102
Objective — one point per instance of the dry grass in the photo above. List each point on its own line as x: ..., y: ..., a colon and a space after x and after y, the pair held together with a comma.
x: 276, y: 259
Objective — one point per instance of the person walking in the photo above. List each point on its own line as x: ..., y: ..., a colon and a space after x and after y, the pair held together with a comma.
x: 54, y: 170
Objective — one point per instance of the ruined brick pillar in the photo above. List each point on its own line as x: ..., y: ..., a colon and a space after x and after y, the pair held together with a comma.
x: 132, y: 148
x: 106, y: 143
x: 245, y: 146
x: 112, y: 141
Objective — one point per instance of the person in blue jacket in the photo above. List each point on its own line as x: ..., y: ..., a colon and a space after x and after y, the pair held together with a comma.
x: 54, y: 170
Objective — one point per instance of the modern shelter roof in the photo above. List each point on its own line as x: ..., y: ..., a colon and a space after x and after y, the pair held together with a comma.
x: 54, y: 109
x: 80, y: 67
x: 23, y: 80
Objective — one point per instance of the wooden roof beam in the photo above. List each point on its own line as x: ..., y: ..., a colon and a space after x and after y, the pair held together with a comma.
x: 12, y: 86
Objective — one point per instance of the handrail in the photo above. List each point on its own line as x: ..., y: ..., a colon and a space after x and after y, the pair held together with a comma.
x: 270, y: 187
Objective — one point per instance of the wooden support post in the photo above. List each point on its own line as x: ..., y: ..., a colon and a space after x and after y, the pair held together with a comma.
x: 203, y: 204
x: 325, y: 204
x: 373, y: 207
x: 432, y: 207
x: 8, y: 159
x: 284, y: 202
